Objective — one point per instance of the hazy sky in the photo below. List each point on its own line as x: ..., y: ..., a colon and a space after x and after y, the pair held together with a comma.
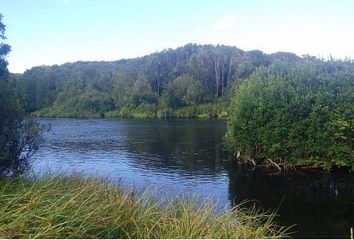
x: 58, y: 31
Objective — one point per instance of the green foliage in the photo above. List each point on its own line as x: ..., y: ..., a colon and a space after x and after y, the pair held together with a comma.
x: 153, y: 85
x: 4, y: 50
x: 92, y: 103
x: 209, y: 110
x: 300, y: 113
x: 19, y: 135
x: 183, y: 91
x: 140, y: 93
x: 74, y: 207
x: 146, y: 110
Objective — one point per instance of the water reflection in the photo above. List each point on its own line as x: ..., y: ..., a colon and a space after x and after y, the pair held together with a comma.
x: 187, y: 147
x: 321, y: 205
x: 185, y: 155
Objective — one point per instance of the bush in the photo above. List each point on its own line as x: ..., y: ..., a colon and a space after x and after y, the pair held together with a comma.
x: 146, y: 110
x: 207, y: 110
x: 299, y: 114
x: 92, y: 103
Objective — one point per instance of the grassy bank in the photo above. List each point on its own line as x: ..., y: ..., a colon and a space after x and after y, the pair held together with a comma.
x: 72, y: 207
x: 144, y: 110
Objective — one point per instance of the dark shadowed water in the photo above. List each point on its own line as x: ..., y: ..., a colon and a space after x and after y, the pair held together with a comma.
x: 178, y: 156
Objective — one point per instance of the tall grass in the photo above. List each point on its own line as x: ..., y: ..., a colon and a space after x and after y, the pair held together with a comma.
x: 74, y: 207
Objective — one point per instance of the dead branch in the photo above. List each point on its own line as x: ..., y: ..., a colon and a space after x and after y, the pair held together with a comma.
x: 276, y: 165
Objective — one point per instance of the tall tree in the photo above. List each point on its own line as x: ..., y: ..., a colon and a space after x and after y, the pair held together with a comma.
x: 18, y: 135
x: 4, y: 50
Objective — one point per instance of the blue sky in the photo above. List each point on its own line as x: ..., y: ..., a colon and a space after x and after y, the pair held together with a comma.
x: 58, y: 31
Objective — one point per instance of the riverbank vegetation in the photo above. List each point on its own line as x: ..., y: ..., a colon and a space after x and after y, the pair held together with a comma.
x: 74, y: 207
x: 19, y: 135
x: 190, y: 81
x: 295, y: 114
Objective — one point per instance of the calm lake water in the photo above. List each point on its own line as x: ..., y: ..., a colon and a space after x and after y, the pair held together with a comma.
x: 180, y: 155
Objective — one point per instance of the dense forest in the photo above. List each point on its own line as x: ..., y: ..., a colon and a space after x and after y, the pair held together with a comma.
x: 190, y: 81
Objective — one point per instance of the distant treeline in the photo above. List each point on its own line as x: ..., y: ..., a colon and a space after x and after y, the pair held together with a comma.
x: 190, y: 81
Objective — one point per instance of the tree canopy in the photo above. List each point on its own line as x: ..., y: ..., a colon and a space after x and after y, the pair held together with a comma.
x: 155, y: 85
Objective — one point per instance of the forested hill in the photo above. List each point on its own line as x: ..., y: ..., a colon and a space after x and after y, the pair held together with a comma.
x: 190, y: 81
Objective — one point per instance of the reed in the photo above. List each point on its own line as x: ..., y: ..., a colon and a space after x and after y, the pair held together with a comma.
x: 77, y: 207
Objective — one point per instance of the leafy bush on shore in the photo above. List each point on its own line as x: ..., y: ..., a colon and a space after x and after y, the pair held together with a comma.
x: 300, y: 114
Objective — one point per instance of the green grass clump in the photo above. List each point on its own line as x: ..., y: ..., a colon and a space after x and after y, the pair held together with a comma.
x: 74, y: 207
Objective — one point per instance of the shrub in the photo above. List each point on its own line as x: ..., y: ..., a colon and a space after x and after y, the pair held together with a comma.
x: 300, y: 114
x: 92, y: 103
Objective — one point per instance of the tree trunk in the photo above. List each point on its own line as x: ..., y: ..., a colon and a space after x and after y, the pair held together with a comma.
x: 229, y: 73
x: 217, y: 75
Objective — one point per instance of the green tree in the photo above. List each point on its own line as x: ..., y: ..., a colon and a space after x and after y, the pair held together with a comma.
x: 183, y: 91
x: 18, y: 135
x: 141, y: 92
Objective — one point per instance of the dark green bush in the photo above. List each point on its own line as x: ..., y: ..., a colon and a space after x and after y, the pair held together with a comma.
x: 302, y: 114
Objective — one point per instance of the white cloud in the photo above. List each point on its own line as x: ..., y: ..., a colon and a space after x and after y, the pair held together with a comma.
x: 225, y: 23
